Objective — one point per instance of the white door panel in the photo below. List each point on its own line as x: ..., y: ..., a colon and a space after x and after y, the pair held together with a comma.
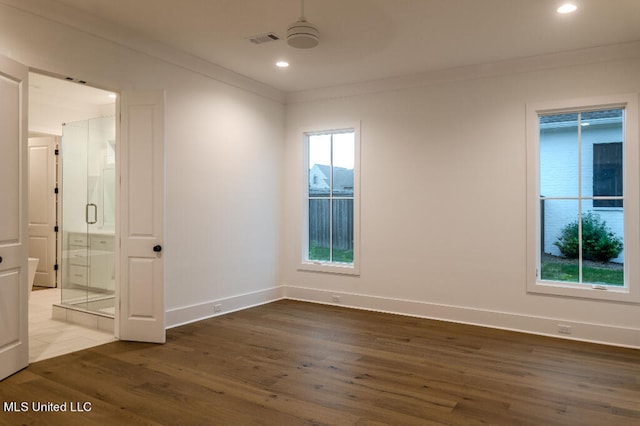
x: 14, y: 341
x: 42, y: 208
x: 140, y: 315
x: 10, y: 314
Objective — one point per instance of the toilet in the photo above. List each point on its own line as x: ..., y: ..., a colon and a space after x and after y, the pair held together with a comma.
x: 33, y: 265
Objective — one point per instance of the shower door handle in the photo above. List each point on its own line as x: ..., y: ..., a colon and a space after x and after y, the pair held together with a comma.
x: 95, y: 213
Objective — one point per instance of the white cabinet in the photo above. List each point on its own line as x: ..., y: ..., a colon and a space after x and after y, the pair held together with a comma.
x: 76, y: 259
x: 90, y: 261
x: 102, y: 271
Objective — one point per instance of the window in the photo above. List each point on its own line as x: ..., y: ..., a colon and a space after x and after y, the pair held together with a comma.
x: 583, y: 198
x: 607, y: 173
x: 331, y: 213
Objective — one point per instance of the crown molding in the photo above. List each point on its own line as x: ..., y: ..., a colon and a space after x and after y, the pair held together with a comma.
x: 124, y: 37
x: 599, y: 54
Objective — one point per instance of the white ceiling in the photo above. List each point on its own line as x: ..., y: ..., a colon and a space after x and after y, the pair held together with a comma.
x: 364, y: 40
x: 54, y: 91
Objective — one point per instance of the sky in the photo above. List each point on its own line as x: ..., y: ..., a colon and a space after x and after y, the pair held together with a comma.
x: 343, y: 149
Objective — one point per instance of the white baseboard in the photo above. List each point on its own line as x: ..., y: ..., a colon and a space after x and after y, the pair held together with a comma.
x: 187, y: 314
x: 587, y: 332
x: 594, y: 333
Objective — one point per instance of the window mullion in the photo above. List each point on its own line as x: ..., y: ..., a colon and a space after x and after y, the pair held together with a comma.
x: 580, y: 198
x: 331, y: 200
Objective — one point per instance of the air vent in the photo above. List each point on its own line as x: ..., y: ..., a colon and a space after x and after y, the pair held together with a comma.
x: 264, y: 38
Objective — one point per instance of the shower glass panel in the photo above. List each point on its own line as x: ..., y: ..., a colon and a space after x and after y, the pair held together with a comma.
x: 88, y: 215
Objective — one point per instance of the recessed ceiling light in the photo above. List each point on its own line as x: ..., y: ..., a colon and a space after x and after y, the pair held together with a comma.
x: 567, y: 8
x: 282, y: 64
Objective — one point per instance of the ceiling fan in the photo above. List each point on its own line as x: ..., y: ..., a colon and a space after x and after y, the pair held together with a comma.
x: 302, y: 34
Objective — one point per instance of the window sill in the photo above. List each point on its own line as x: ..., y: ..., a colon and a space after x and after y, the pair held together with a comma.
x: 330, y: 268
x: 584, y: 291
x: 609, y: 209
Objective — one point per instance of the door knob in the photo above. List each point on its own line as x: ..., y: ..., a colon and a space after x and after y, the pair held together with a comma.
x: 157, y: 248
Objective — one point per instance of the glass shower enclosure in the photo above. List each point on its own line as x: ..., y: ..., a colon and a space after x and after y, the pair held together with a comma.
x: 88, y: 215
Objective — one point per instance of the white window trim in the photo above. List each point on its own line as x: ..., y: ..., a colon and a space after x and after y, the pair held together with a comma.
x: 631, y: 291
x: 330, y: 267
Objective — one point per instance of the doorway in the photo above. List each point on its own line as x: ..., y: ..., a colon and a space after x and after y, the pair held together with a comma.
x: 43, y: 211
x: 72, y: 133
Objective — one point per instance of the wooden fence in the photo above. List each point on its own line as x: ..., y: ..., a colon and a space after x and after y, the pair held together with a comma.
x: 320, y: 225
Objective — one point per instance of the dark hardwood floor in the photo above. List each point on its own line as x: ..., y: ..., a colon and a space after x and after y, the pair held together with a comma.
x: 290, y: 363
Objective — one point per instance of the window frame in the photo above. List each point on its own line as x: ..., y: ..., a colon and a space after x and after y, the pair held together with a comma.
x: 323, y: 266
x: 630, y: 292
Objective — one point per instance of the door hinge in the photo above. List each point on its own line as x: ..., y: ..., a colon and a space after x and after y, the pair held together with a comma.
x: 55, y: 267
x: 56, y: 151
x: 56, y: 228
x: 56, y: 190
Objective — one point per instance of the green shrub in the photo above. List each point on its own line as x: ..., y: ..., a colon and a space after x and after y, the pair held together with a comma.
x: 598, y: 242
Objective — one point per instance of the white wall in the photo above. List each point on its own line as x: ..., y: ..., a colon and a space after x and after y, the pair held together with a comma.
x: 47, y: 114
x: 443, y: 205
x: 223, y: 156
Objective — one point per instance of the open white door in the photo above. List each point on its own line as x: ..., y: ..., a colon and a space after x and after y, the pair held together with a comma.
x: 14, y: 318
x: 140, y: 315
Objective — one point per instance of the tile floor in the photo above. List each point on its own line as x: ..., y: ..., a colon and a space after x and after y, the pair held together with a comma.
x: 49, y: 338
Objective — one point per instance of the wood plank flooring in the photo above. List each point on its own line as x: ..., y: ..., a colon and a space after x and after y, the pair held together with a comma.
x: 295, y: 363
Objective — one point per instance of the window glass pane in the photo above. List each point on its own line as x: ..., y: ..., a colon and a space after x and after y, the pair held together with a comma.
x: 343, y: 164
x: 602, y: 116
x: 559, y: 155
x: 319, y: 230
x: 602, y: 136
x: 601, y: 235
x: 559, y: 240
x: 342, y: 230
x: 602, y: 247
x: 319, y: 165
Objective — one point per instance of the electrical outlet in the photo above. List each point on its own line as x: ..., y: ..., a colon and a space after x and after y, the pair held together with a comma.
x: 335, y: 298
x: 564, y: 329
x: 217, y: 308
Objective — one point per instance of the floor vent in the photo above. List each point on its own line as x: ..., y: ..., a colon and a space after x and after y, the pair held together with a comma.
x: 263, y: 38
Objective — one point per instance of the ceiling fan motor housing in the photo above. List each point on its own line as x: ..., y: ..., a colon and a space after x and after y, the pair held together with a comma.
x: 303, y: 34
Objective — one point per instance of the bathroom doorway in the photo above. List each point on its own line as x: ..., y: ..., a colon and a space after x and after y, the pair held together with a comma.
x: 72, y: 138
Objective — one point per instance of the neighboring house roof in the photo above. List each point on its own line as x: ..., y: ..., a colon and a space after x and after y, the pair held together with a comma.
x: 342, y: 177
x: 589, y: 115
